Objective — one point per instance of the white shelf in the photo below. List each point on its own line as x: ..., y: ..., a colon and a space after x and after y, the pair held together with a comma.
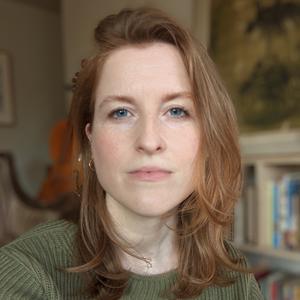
x: 271, y: 143
x: 272, y: 252
x: 281, y: 259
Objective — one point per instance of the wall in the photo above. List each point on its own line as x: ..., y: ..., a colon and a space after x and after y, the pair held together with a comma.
x: 32, y: 37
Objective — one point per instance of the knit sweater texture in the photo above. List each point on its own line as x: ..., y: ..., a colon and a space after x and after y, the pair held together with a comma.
x: 30, y: 268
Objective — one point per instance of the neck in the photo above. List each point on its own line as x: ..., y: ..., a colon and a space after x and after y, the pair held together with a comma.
x: 149, y: 237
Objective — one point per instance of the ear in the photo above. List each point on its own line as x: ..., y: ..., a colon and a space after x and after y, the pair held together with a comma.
x: 88, y: 131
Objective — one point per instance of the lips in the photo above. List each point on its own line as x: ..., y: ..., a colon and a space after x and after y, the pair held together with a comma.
x: 150, y: 173
x: 150, y: 176
x: 150, y: 169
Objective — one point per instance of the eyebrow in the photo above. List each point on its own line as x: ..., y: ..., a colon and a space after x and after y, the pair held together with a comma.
x: 127, y: 99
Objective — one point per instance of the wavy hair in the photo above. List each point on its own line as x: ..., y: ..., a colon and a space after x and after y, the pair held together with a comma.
x: 204, y: 217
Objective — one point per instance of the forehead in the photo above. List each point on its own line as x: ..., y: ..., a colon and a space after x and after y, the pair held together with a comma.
x: 154, y: 67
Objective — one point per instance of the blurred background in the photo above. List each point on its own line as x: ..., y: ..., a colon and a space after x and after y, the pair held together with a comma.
x: 256, y: 47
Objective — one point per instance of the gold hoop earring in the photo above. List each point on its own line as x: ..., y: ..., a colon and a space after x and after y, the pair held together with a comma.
x: 91, y: 165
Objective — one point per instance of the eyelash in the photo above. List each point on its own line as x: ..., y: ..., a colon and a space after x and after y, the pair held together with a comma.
x: 186, y: 113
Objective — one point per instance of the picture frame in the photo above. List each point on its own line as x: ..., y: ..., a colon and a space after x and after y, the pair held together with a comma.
x: 255, y: 45
x: 6, y: 95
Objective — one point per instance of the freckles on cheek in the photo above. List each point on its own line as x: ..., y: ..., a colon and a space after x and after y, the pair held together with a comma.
x: 105, y: 147
x: 186, y: 138
x: 189, y: 143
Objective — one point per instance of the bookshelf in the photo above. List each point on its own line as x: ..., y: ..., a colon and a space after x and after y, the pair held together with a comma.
x: 280, y: 259
x: 271, y: 162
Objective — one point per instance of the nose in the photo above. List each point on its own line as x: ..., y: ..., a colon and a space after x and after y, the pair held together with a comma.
x: 149, y: 137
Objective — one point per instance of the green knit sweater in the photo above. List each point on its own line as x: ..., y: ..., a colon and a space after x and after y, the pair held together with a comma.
x: 29, y: 270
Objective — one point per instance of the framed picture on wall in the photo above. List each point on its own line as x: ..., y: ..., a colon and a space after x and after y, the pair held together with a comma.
x: 6, y: 97
x: 255, y: 45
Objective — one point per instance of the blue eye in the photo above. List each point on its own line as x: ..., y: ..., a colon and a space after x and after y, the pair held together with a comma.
x: 176, y: 112
x: 179, y: 112
x: 119, y: 113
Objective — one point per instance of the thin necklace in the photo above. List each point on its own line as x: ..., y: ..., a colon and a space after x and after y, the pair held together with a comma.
x: 148, y: 262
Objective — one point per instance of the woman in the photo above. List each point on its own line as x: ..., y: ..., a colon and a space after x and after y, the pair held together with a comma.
x: 160, y: 174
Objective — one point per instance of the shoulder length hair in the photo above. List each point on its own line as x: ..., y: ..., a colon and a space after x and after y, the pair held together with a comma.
x: 204, y: 217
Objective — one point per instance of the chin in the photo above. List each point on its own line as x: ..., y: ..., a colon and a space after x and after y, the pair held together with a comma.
x: 153, y: 212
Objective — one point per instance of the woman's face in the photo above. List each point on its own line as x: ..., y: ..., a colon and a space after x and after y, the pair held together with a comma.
x: 144, y: 117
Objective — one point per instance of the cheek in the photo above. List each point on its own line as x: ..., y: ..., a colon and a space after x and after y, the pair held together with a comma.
x: 187, y: 145
x: 106, y: 148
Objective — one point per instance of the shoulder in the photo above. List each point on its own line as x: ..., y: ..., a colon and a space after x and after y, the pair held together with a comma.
x: 43, y: 243
x: 31, y: 265
x: 54, y: 231
x: 235, y: 254
x: 245, y: 285
x: 57, y: 226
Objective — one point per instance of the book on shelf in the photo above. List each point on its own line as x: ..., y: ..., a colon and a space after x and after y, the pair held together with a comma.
x: 245, y: 216
x: 286, y: 225
x: 279, y: 286
x: 281, y: 218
